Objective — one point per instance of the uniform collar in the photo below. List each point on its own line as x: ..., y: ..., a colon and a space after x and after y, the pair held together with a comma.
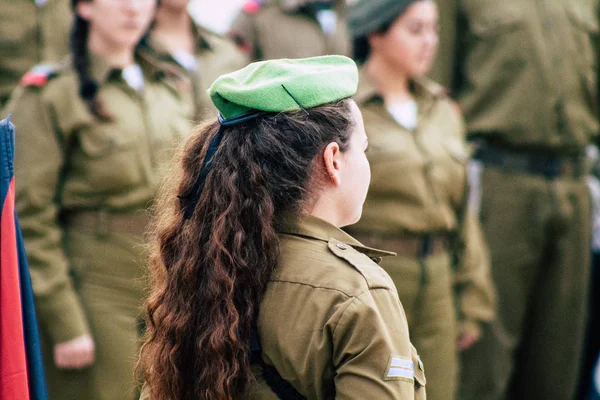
x: 102, y: 72
x: 315, y: 228
x: 426, y: 91
x: 198, y: 33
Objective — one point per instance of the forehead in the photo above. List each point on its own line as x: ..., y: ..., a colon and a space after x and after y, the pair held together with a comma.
x: 422, y: 9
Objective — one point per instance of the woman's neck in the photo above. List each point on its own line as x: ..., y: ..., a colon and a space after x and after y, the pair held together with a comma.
x: 114, y: 56
x: 391, y: 84
x: 173, y: 30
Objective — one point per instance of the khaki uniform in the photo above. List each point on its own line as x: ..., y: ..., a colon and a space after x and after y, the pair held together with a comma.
x: 30, y: 32
x: 83, y: 189
x: 525, y: 75
x: 215, y: 56
x: 419, y: 187
x: 330, y: 321
x: 280, y: 29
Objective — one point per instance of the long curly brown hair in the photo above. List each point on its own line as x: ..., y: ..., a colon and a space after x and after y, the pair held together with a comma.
x: 208, y: 273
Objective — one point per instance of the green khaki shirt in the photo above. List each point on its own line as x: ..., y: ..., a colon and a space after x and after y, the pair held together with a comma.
x: 68, y: 161
x: 287, y: 30
x: 524, y: 71
x: 419, y: 186
x: 31, y: 32
x: 215, y: 56
x: 330, y: 321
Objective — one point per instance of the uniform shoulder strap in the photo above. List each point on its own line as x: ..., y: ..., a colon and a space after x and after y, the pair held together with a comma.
x: 39, y: 75
x: 360, y: 259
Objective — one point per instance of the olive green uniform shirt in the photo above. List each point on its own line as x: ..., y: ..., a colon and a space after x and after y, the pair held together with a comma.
x: 524, y: 71
x: 215, y: 56
x: 419, y: 186
x: 67, y: 161
x: 31, y: 32
x: 330, y: 320
x: 280, y: 29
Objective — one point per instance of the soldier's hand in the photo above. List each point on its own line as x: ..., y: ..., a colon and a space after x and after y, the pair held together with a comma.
x: 75, y: 354
x: 467, y: 340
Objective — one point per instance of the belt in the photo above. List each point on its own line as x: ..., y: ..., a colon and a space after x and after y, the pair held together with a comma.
x: 550, y: 166
x: 103, y: 222
x: 418, y: 246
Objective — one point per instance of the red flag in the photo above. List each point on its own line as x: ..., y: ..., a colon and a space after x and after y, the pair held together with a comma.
x: 13, y: 364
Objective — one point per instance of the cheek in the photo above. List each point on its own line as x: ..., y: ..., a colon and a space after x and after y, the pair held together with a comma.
x: 149, y: 12
x: 404, y: 51
x: 363, y: 176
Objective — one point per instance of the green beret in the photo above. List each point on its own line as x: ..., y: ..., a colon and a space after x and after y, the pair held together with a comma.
x: 284, y: 85
x: 368, y: 16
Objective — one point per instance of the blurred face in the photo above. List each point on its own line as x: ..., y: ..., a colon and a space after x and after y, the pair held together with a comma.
x: 355, y: 173
x: 410, y: 45
x: 117, y: 23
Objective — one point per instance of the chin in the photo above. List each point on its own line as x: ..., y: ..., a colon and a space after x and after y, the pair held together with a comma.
x: 354, y: 220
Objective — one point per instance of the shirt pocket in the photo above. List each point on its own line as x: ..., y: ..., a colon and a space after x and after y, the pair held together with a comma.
x: 109, y: 158
x: 498, y: 32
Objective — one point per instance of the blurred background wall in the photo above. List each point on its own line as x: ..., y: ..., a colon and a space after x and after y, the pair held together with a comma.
x: 215, y: 14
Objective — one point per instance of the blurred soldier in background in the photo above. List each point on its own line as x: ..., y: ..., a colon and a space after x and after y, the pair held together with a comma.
x: 525, y: 75
x: 417, y: 203
x: 268, y: 29
x: 204, y: 55
x: 95, y: 137
x: 31, y: 31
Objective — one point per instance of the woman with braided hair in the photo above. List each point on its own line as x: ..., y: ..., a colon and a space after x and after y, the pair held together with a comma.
x: 94, y: 134
x: 256, y: 293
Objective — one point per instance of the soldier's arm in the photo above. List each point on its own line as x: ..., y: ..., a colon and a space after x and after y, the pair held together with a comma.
x: 473, y: 285
x: 372, y: 353
x: 39, y: 161
x: 471, y: 263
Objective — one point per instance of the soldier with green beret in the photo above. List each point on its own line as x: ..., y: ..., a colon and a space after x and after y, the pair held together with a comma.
x: 95, y: 135
x: 418, y: 199
x: 31, y: 32
x: 194, y: 50
x: 267, y: 29
x: 525, y: 74
x: 257, y: 293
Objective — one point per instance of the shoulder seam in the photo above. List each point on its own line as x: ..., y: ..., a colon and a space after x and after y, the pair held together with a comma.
x: 354, y: 300
x: 318, y: 287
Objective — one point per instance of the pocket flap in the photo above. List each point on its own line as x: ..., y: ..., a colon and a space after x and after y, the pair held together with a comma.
x: 495, y: 23
x: 583, y: 20
x: 97, y: 141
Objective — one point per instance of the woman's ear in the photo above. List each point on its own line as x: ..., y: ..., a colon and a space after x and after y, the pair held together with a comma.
x: 84, y: 9
x: 374, y: 40
x: 332, y: 161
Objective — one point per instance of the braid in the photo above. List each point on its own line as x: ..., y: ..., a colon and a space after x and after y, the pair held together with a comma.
x: 88, y: 87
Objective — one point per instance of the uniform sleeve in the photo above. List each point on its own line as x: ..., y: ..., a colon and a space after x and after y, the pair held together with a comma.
x: 39, y: 160
x: 471, y: 262
x: 473, y: 285
x: 242, y: 32
x: 370, y: 337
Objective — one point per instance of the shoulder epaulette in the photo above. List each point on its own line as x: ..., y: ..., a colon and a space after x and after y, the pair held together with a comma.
x: 252, y: 6
x: 39, y: 75
x: 374, y: 275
